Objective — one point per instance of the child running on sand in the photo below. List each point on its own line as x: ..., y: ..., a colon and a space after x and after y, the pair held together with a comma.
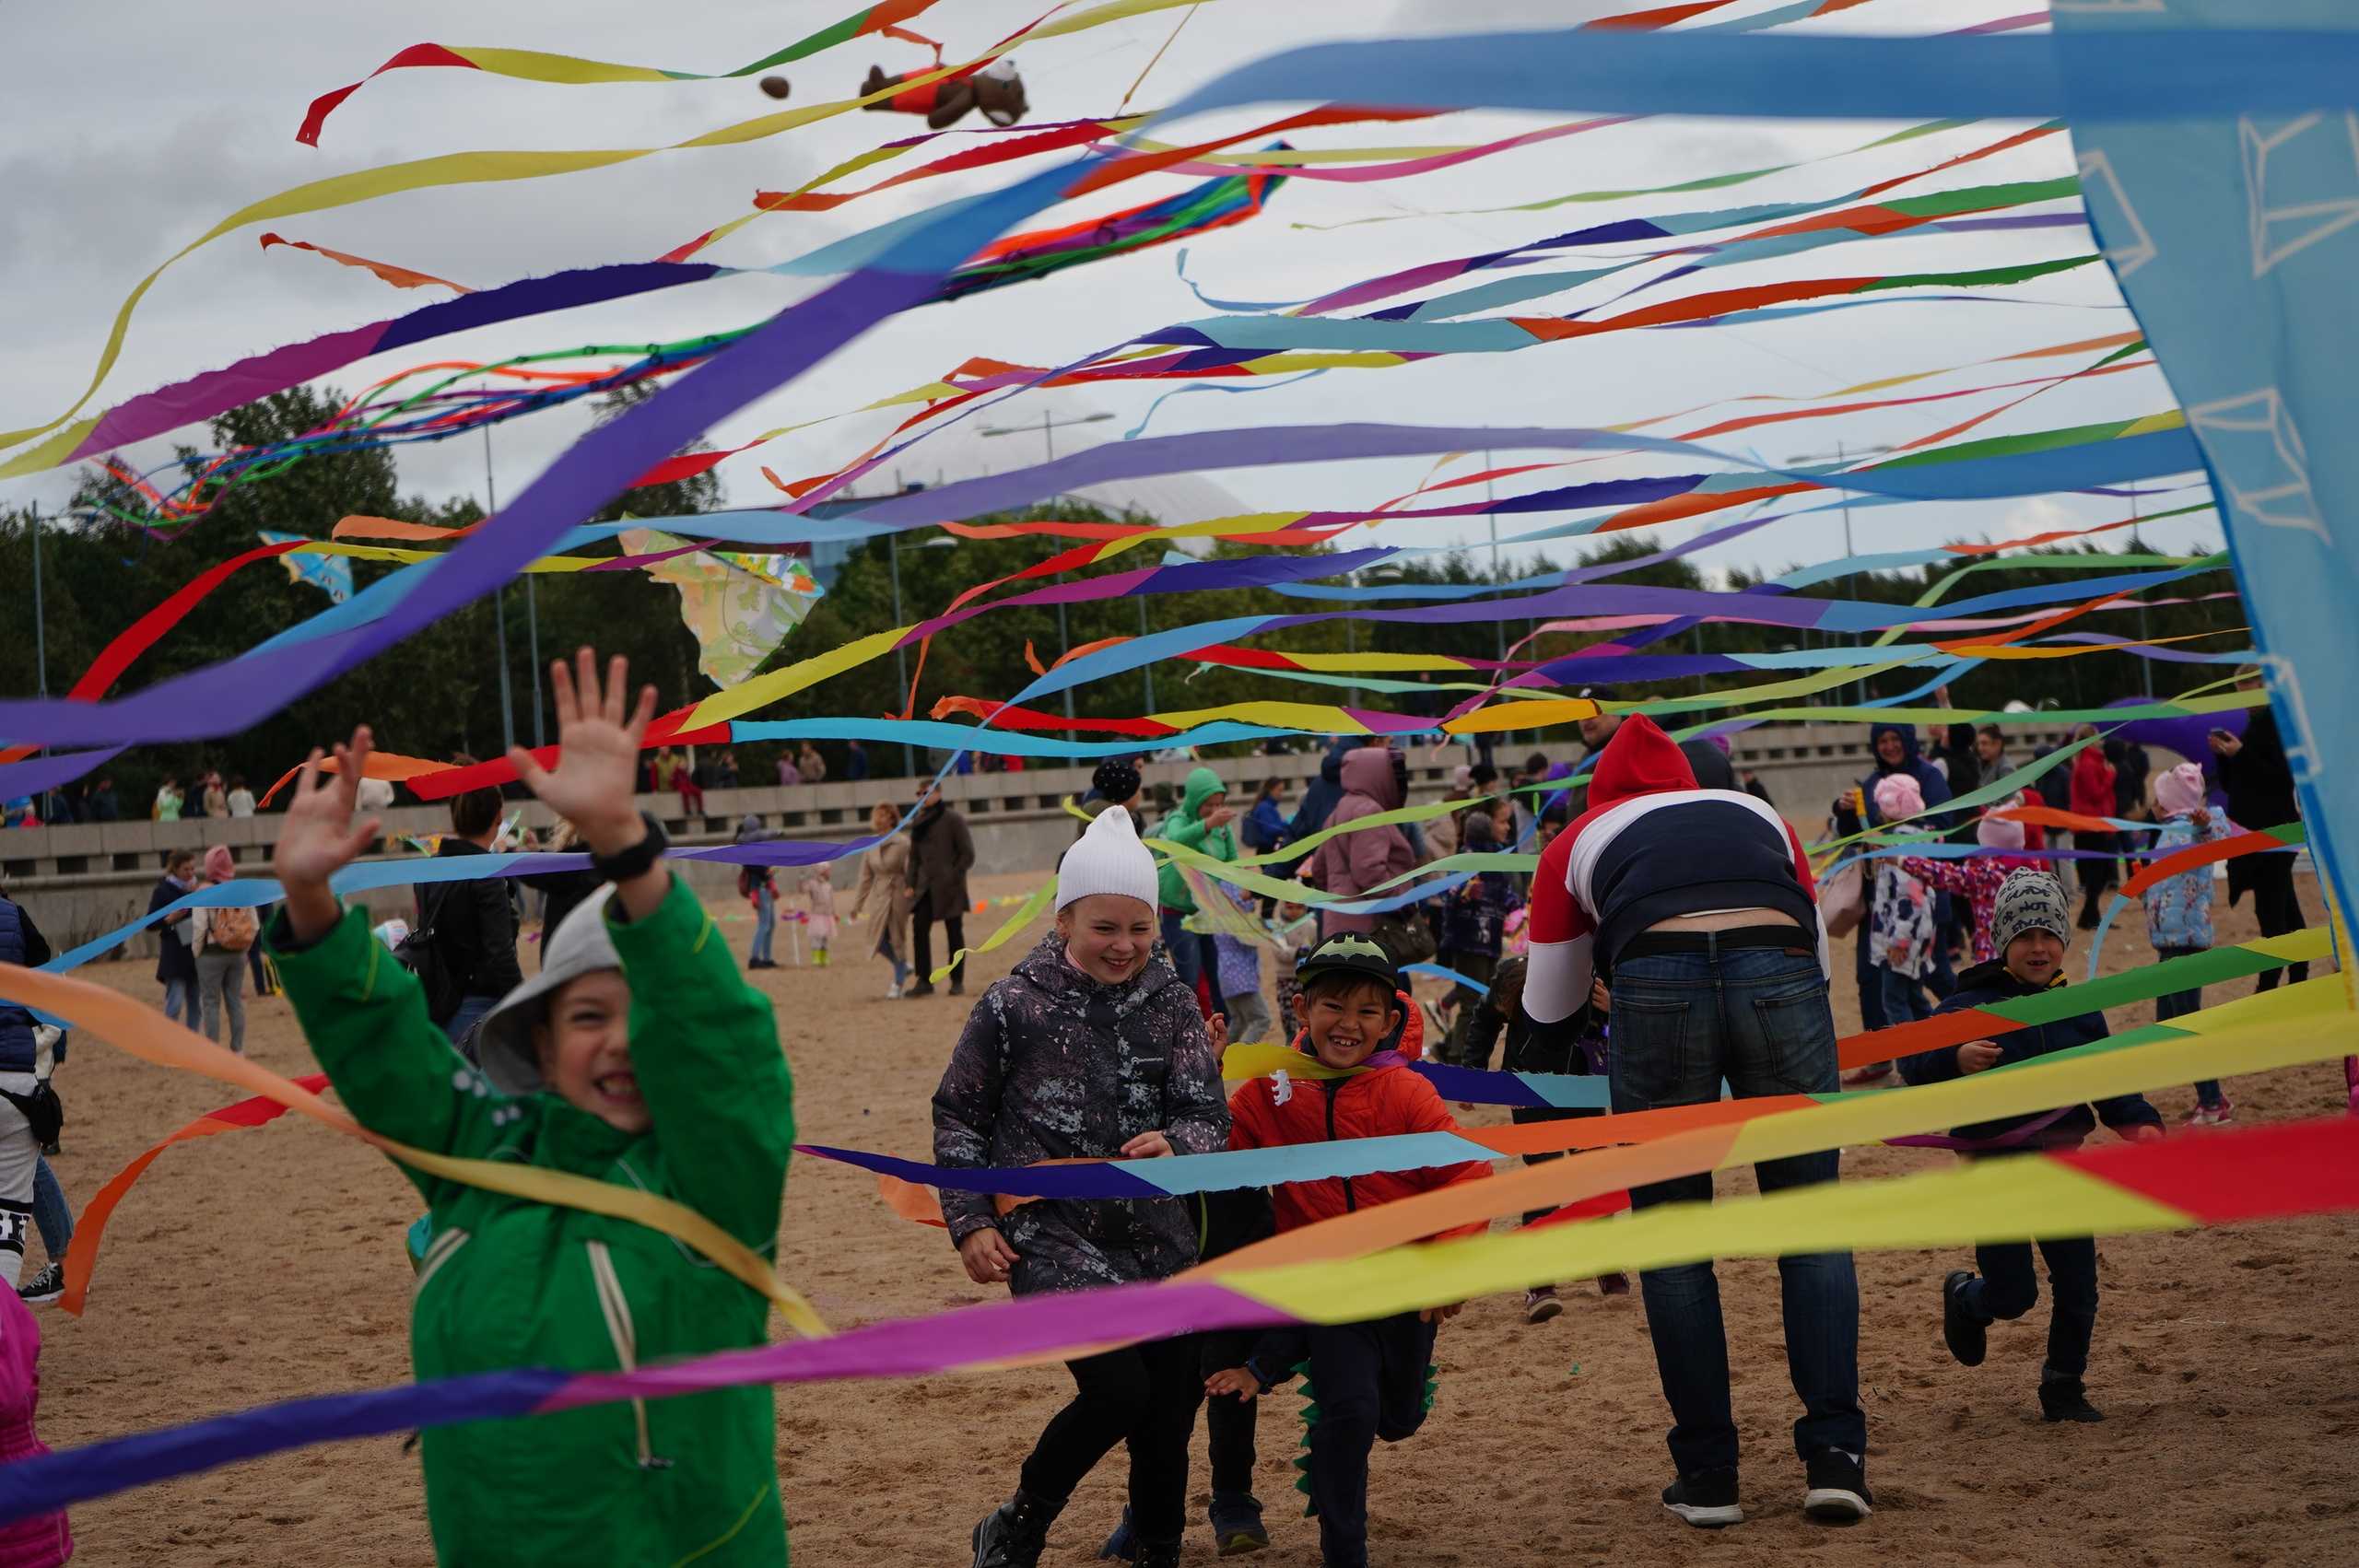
x: 1093, y: 1048
x: 2031, y: 927
x: 1368, y: 1378
x: 637, y: 1055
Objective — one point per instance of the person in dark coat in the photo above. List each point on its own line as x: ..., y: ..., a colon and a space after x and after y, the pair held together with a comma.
x: 474, y: 922
x: 1322, y: 795
x: 2030, y: 930
x: 941, y: 854
x: 2259, y: 784
x: 175, y: 959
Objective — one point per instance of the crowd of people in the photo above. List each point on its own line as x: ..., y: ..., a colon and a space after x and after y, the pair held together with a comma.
x: 1670, y: 941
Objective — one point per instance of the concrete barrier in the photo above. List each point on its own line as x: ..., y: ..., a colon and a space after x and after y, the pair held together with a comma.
x: 82, y: 881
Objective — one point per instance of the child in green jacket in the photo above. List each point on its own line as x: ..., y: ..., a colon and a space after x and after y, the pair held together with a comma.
x: 638, y: 1055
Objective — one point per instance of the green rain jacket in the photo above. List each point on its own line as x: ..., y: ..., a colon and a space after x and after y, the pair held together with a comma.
x: 510, y: 1282
x: 1186, y: 826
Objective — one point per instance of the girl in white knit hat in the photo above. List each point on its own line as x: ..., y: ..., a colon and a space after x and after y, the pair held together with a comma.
x: 1091, y: 1049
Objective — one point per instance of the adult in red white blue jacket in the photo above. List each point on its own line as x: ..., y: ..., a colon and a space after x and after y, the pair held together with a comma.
x: 1698, y: 908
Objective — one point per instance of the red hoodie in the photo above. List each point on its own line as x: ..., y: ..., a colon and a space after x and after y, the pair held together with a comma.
x: 1652, y: 846
x: 1383, y: 1101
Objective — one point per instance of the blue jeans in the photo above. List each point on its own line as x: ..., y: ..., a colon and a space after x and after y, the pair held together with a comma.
x: 1903, y: 998
x: 2178, y: 1004
x: 52, y: 1212
x: 1759, y: 1018
x: 1192, y: 954
x: 180, y: 997
x: 765, y: 923
x: 471, y: 1011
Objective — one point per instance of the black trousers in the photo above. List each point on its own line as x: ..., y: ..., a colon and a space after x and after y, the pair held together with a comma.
x: 1370, y: 1381
x: 1143, y: 1395
x: 2096, y: 877
x: 2009, y: 1288
x: 954, y: 925
x: 1228, y: 1421
x: 2278, y: 908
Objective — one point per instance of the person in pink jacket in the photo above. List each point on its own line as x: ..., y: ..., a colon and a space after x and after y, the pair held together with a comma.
x: 1350, y: 863
x: 44, y: 1540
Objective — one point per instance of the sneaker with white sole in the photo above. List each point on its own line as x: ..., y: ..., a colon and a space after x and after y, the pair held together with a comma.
x: 1838, y: 1492
x: 46, y: 1286
x: 1706, y: 1500
x: 1540, y: 1304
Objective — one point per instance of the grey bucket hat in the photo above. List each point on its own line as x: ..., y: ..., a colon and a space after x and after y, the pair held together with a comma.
x: 504, y: 1039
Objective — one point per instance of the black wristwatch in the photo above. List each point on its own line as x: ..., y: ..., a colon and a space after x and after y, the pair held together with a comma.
x: 638, y: 857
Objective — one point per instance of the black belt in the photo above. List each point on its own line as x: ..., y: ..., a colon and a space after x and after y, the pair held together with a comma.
x: 1646, y: 944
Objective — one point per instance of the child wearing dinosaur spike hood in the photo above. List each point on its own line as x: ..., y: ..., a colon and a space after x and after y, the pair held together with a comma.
x: 1370, y: 1377
x: 637, y: 1055
x: 1092, y: 1048
x: 2031, y: 929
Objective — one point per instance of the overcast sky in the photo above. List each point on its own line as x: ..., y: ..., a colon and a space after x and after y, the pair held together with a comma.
x: 124, y: 141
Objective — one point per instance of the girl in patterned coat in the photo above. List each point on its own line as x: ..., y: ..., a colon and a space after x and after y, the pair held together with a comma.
x: 1093, y: 1048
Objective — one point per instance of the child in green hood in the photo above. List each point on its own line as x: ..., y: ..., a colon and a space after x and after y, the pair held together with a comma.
x: 637, y: 1055
x: 1201, y: 824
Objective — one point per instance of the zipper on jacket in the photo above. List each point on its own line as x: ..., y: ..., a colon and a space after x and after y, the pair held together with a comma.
x: 625, y: 1335
x: 1351, y: 1200
x: 438, y: 1252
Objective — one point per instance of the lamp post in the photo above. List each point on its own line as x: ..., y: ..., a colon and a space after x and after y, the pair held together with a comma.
x: 1047, y: 427
x: 532, y: 623
x: 1841, y: 456
x: 893, y: 548
x: 499, y: 607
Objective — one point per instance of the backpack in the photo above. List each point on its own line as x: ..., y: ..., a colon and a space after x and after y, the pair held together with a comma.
x: 419, y: 952
x: 233, y: 930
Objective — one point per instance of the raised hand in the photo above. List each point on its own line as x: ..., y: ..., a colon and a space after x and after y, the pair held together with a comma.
x: 598, y: 741
x: 317, y: 837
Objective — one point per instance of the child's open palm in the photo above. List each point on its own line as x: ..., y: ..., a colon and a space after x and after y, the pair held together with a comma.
x: 598, y: 745
x: 318, y: 837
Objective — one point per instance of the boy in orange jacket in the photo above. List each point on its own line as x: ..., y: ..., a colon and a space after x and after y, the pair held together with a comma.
x: 1370, y: 1377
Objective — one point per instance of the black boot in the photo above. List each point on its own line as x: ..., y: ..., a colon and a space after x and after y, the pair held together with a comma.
x: 2066, y: 1399
x: 1156, y: 1553
x: 1966, y: 1334
x: 1013, y: 1534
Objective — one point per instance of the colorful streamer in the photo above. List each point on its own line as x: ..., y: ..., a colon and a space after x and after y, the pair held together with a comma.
x: 90, y: 1225
x: 2263, y: 1173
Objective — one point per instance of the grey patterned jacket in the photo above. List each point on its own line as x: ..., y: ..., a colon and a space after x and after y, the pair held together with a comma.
x: 1054, y: 1065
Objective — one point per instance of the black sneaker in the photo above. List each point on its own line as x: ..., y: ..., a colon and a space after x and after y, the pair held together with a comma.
x: 1838, y: 1491
x: 1706, y: 1500
x: 1014, y: 1534
x: 1968, y: 1336
x: 923, y: 988
x: 46, y: 1286
x: 1237, y: 1524
x: 2066, y: 1399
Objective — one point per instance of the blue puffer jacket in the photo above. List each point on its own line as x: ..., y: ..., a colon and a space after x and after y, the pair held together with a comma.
x: 1986, y: 983
x: 20, y: 943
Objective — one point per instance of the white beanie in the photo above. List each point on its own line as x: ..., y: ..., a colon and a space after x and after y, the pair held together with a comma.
x: 1109, y: 858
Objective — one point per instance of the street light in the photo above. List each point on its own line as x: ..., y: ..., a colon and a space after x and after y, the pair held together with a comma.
x: 893, y: 548
x: 1841, y: 456
x: 1048, y: 442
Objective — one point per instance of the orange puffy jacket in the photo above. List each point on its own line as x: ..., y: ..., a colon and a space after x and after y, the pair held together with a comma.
x: 1384, y: 1101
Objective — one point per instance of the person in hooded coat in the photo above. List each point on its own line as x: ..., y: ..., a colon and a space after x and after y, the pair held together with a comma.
x: 1321, y: 795
x: 1202, y: 824
x: 1699, y: 907
x: 1350, y: 863
x: 1894, y: 748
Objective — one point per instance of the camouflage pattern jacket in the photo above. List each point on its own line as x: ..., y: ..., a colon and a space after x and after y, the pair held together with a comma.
x: 1056, y: 1066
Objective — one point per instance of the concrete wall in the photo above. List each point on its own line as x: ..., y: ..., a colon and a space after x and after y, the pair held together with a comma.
x: 80, y: 881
